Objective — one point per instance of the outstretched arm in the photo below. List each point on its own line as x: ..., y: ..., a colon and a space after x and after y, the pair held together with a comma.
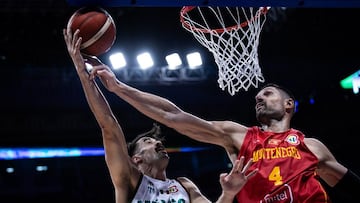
x: 117, y: 159
x: 167, y: 113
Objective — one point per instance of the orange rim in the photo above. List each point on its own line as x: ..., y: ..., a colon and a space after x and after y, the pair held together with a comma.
x: 187, y: 9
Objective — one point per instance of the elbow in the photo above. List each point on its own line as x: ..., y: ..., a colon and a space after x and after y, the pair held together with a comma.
x: 108, y: 123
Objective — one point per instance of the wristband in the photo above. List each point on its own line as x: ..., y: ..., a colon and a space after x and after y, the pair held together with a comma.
x: 349, y: 184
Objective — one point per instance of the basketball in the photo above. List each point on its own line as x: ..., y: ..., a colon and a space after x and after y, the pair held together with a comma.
x: 97, y: 30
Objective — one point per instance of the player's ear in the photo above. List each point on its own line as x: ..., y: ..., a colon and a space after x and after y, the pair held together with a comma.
x: 289, y: 103
x: 136, y: 159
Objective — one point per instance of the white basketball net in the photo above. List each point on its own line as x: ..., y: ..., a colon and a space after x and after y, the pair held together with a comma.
x: 231, y: 34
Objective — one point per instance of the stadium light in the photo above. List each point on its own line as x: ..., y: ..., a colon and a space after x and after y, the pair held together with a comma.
x: 351, y: 82
x: 173, y: 61
x: 145, y: 60
x: 117, y: 60
x: 194, y: 60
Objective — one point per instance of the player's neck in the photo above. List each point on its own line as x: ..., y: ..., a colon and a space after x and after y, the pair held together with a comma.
x: 276, y: 126
x: 156, y: 173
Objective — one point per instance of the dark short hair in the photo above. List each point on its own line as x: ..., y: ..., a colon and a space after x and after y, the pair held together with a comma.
x: 155, y: 133
x: 287, y: 91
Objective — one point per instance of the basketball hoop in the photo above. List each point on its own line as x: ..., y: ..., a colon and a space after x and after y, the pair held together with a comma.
x: 231, y: 34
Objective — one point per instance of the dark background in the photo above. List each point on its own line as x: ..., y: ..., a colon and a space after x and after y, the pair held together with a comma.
x: 309, y: 50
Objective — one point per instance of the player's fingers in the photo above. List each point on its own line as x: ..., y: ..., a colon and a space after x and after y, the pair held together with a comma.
x: 68, y: 32
x: 78, y: 43
x: 247, y: 166
x: 252, y: 173
x: 75, y: 36
x: 65, y: 35
x: 235, y: 168
x: 241, y: 163
x: 238, y: 164
x: 98, y: 68
x: 223, y: 175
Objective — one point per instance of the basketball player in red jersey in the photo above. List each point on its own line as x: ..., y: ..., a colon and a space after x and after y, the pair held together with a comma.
x: 289, y: 163
x: 138, y: 172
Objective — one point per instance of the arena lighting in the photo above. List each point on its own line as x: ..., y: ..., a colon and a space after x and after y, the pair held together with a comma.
x: 186, y: 149
x: 10, y: 170
x: 117, y: 60
x: 296, y: 106
x: 351, y: 82
x: 33, y: 153
x: 194, y: 60
x: 41, y: 168
x: 312, y: 100
x: 356, y: 84
x: 173, y: 61
x: 145, y: 60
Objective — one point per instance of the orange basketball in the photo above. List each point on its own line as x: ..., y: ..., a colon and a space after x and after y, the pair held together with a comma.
x: 97, y: 29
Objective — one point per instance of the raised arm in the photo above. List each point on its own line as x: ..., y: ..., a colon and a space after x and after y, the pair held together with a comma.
x: 164, y: 111
x: 122, y: 173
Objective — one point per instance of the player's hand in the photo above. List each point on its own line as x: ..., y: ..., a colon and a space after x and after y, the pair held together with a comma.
x: 106, y: 75
x: 232, y: 182
x: 92, y: 60
x: 73, y: 42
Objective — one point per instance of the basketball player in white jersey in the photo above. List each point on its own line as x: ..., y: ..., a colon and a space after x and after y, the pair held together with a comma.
x: 139, y: 174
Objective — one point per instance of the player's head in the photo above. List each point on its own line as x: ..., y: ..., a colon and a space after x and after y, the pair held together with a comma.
x: 274, y: 102
x: 148, y: 149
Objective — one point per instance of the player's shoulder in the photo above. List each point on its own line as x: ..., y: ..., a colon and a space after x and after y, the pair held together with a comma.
x: 312, y: 141
x: 187, y: 183
x: 183, y: 179
x: 316, y: 146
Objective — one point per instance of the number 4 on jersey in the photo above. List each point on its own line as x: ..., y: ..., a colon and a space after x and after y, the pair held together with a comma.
x: 276, y: 176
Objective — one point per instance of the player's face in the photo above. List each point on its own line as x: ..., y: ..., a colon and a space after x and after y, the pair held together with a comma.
x: 151, y: 150
x: 269, y: 105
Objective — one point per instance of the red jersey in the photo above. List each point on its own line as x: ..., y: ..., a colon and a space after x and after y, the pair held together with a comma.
x: 286, y: 169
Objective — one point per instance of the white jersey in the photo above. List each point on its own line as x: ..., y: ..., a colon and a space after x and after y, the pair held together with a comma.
x: 154, y: 190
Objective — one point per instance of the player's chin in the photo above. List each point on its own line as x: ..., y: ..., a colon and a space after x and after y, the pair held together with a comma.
x: 261, y: 117
x: 164, y: 154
